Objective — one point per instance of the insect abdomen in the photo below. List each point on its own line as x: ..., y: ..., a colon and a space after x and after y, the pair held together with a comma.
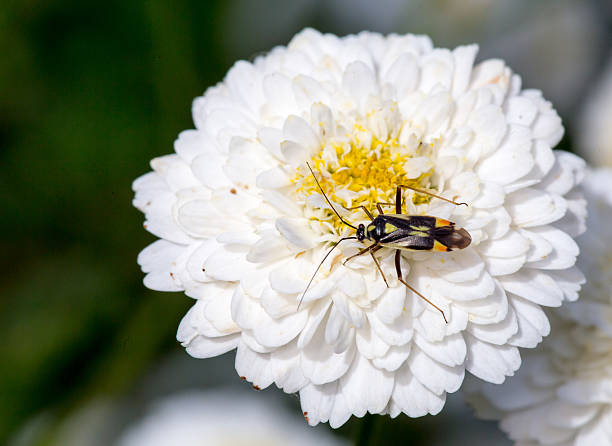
x: 423, y: 233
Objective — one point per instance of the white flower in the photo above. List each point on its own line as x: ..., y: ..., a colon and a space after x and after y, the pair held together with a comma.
x: 561, y: 395
x: 594, y: 130
x: 243, y: 225
x: 221, y: 418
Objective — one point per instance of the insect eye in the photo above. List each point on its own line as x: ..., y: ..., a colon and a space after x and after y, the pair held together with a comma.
x: 361, y: 232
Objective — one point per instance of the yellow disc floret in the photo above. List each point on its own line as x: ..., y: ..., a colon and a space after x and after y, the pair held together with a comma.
x: 360, y: 169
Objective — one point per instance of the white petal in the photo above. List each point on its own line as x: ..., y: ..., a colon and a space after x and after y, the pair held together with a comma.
x: 294, y: 153
x: 521, y: 111
x: 340, y: 412
x: 399, y: 332
x: 394, y: 358
x: 565, y: 250
x: 567, y: 172
x: 503, y: 266
x: 219, y: 313
x: 366, y: 388
x: 514, y: 151
x: 491, y: 195
x: 489, y: 310
x: 268, y: 249
x: 156, y: 260
x: 203, y: 347
x: 316, y: 314
x: 391, y: 304
x: 369, y: 344
x: 535, y: 286
x: 285, y: 363
x: 285, y: 279
x: 273, y: 178
x: 308, y: 91
x: 297, y: 231
x: 586, y: 391
x: 465, y: 291
x: 464, y: 60
x: 413, y: 398
x: 597, y: 432
x: 459, y: 266
x: 489, y: 362
x: 450, y: 351
x: 498, y: 333
x: 246, y: 312
x: 319, y: 362
x: 278, y: 332
x: 516, y: 393
x: 175, y: 172
x: 271, y: 139
x: 533, y: 323
x: 403, y: 74
x: 317, y: 402
x: 279, y: 95
x: 531, y: 207
x: 436, y: 377
x: 569, y: 281
x: 359, y: 82
x: 227, y: 263
x: 322, y: 119
x: 512, y: 244
x: 254, y: 367
x: 298, y: 130
x: 208, y: 168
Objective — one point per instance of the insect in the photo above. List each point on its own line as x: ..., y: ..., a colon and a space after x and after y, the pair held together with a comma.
x: 400, y: 232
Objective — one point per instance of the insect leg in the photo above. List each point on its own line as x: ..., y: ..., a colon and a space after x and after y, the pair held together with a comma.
x: 378, y: 264
x: 319, y: 267
x: 364, y: 210
x: 373, y: 246
x: 398, y: 269
x: 380, y: 204
x: 421, y: 191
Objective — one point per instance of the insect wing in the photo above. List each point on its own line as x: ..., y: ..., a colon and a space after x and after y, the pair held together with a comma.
x: 407, y: 232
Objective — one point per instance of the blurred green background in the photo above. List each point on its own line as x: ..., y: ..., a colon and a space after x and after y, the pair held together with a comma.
x: 91, y: 91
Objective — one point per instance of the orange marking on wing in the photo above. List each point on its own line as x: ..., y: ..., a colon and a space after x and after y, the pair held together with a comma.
x: 441, y: 222
x: 440, y: 247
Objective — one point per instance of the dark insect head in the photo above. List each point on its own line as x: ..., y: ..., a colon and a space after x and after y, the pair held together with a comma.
x: 361, y: 233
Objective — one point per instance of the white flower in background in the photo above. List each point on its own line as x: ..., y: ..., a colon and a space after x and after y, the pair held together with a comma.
x: 594, y: 129
x: 221, y: 418
x: 243, y: 225
x: 561, y: 395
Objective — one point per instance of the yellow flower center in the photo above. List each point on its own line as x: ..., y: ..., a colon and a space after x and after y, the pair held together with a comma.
x: 361, y: 169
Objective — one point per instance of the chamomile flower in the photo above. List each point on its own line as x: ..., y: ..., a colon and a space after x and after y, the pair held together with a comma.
x: 560, y: 396
x: 243, y: 225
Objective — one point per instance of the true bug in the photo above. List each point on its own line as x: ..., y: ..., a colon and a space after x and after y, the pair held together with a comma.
x: 400, y: 232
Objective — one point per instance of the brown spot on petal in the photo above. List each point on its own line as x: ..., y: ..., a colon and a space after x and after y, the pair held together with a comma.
x: 256, y: 387
x: 306, y: 417
x: 233, y: 191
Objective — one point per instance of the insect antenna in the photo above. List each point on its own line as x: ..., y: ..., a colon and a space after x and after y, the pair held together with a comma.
x: 319, y: 267
x: 329, y: 202
x: 422, y: 191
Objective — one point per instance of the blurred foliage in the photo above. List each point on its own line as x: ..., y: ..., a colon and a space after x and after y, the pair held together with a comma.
x: 90, y: 92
